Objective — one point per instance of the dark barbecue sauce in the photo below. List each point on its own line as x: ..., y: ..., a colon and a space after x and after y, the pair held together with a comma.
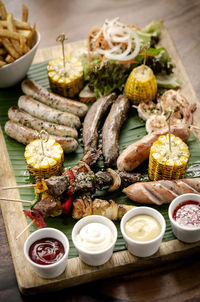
x: 187, y: 213
x: 46, y: 251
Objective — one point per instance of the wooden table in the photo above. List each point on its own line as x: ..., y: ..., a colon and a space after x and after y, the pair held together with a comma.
x: 173, y: 282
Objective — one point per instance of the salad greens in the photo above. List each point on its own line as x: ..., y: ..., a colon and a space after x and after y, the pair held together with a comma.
x: 110, y: 76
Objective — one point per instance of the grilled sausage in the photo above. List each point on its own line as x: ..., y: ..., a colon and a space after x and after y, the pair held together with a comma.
x: 25, y: 135
x: 138, y: 152
x: 17, y: 115
x: 47, y: 113
x: 30, y: 87
x: 111, y: 129
x: 92, y: 121
x: 161, y: 191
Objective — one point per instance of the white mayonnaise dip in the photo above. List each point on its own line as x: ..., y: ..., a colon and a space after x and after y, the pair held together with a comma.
x: 94, y: 237
x: 142, y: 228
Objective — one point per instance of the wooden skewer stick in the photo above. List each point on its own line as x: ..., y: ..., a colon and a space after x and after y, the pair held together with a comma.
x: 134, y: 106
x: 15, y: 200
x: 194, y: 127
x: 24, y: 230
x: 18, y: 187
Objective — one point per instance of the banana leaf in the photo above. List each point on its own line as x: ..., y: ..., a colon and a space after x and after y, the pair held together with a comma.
x: 132, y: 130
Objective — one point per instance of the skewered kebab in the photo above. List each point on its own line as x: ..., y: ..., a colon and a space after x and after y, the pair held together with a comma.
x: 84, y: 206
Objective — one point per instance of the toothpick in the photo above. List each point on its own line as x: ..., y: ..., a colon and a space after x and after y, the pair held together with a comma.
x: 169, y: 125
x: 61, y: 38
x: 145, y: 56
x: 194, y: 127
x: 134, y: 106
x: 44, y: 136
x: 24, y: 230
x: 15, y: 200
x: 18, y: 187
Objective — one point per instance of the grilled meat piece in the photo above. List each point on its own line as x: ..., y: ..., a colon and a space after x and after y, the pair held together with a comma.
x: 128, y: 179
x: 111, y: 130
x: 91, y: 157
x: 92, y: 121
x: 48, y: 206
x: 85, y: 182
x: 161, y: 191
x: 138, y: 152
x: 57, y: 185
x: 82, y: 206
x: 103, y: 180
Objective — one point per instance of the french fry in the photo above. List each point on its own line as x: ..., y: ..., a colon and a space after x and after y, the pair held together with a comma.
x: 18, y: 24
x: 15, y: 36
x: 8, y: 46
x: 24, y: 13
x: 5, y: 33
x: 2, y: 63
x: 9, y: 59
x: 3, y: 13
x: 17, y: 47
x: 2, y: 51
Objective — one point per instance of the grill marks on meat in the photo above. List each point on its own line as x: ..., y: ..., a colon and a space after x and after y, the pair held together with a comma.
x: 162, y: 191
x: 92, y: 121
x: 111, y: 129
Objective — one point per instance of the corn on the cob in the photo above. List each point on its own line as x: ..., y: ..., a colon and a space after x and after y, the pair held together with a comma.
x: 68, y: 80
x: 166, y: 164
x: 47, y: 164
x: 141, y: 85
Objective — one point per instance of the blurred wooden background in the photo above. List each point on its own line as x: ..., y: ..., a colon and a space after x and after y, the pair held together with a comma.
x: 174, y: 282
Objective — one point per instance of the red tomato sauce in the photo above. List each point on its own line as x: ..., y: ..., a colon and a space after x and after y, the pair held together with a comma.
x: 46, y: 251
x: 187, y: 213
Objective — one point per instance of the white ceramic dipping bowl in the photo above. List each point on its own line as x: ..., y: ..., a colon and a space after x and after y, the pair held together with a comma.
x: 94, y: 258
x: 13, y: 73
x: 146, y: 248
x: 183, y: 233
x: 51, y: 270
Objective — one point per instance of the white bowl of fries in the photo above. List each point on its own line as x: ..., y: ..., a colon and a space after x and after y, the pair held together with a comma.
x: 18, y: 44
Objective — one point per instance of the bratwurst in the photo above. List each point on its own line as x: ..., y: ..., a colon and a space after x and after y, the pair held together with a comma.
x: 47, y: 113
x: 138, y: 152
x: 33, y: 89
x: 25, y: 135
x: 111, y: 129
x: 17, y: 115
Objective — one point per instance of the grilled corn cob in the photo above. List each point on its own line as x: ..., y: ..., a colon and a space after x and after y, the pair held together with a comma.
x: 141, y: 85
x: 166, y: 164
x: 47, y: 164
x: 68, y: 80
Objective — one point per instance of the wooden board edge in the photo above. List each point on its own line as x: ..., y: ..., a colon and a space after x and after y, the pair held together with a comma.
x: 112, y: 268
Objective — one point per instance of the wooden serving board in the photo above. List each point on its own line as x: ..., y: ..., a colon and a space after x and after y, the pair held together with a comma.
x: 76, y: 271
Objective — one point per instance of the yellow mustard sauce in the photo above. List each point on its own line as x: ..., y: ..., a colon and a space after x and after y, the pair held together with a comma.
x: 142, y: 228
